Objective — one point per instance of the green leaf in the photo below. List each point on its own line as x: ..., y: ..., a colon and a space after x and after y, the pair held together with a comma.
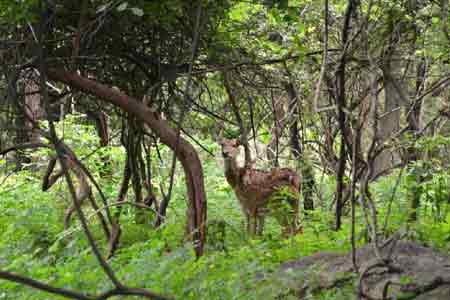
x: 301, y: 30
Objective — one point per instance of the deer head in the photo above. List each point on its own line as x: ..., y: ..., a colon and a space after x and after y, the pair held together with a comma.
x: 230, y: 148
x: 230, y: 151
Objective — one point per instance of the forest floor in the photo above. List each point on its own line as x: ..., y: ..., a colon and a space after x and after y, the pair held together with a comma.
x: 33, y: 242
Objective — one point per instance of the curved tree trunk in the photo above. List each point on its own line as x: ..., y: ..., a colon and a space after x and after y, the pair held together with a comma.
x: 185, y: 152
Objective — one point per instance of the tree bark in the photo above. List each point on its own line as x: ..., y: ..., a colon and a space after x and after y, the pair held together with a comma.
x: 412, y: 153
x: 185, y: 152
x: 279, y: 113
x: 33, y: 108
x: 390, y: 121
x: 341, y: 105
x: 307, y: 172
x: 30, y: 113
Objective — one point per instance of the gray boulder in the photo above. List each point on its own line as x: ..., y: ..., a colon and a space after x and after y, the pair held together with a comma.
x: 412, y: 272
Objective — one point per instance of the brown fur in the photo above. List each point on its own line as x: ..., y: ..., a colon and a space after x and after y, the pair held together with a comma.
x: 255, y: 187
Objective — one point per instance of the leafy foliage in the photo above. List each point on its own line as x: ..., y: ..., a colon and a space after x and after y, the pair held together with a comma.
x: 32, y: 240
x: 145, y: 49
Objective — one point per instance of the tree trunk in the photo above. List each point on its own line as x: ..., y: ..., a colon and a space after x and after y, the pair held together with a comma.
x: 413, y: 155
x: 185, y: 152
x: 30, y: 113
x: 33, y: 108
x: 307, y: 172
x: 273, y: 148
x: 414, y: 125
x: 390, y: 121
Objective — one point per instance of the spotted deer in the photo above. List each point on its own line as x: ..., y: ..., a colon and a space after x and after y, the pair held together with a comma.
x: 261, y: 192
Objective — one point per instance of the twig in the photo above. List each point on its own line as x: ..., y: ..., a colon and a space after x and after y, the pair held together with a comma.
x: 77, y: 295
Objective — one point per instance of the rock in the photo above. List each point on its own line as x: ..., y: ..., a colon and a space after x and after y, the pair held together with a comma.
x: 414, y: 272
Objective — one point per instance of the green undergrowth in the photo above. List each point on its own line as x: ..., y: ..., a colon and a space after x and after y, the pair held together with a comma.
x: 33, y: 242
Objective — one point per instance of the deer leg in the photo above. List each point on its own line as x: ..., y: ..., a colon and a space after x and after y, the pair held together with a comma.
x: 251, y: 219
x: 247, y: 223
x: 260, y: 226
x: 252, y: 223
